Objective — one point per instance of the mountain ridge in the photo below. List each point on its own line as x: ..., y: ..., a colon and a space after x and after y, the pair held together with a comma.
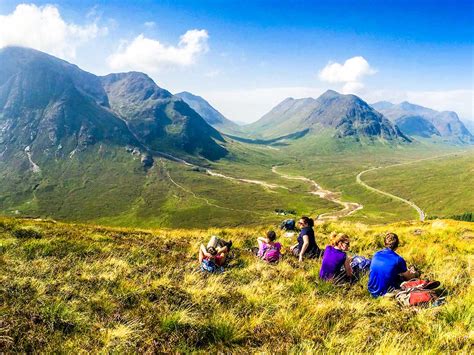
x: 211, y: 115
x: 346, y: 115
x: 49, y: 101
x: 425, y: 122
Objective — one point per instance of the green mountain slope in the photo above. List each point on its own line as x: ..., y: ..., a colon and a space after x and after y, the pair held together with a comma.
x: 345, y: 115
x: 160, y: 120
x: 210, y: 114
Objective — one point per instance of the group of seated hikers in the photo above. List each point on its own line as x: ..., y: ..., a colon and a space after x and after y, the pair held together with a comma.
x: 388, y: 272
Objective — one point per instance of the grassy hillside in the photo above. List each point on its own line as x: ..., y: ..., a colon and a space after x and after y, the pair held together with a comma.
x: 69, y: 287
x: 441, y: 186
x: 108, y: 185
x: 116, y: 190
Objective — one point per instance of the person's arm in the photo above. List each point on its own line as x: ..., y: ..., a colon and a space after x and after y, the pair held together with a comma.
x: 348, y: 267
x: 204, y: 251
x: 405, y: 273
x: 410, y: 274
x: 294, y: 246
x: 304, y: 247
x: 262, y: 240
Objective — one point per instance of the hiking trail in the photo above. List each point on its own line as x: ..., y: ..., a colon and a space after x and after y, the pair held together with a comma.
x: 348, y: 207
x: 420, y: 212
x: 192, y: 193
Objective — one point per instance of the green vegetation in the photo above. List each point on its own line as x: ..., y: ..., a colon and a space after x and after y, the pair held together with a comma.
x: 70, y: 288
x: 466, y: 217
x: 115, y: 190
x: 441, y: 187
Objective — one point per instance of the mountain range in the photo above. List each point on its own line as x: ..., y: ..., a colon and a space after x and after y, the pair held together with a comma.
x: 210, y: 114
x: 53, y: 108
x: 343, y: 115
x: 415, y: 120
x: 74, y: 145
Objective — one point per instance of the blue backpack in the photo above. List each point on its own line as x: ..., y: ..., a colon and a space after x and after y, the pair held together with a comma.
x: 360, y: 264
x: 288, y: 225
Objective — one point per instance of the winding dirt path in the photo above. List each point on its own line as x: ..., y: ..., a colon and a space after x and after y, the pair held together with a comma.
x: 206, y: 201
x: 420, y: 212
x: 348, y: 207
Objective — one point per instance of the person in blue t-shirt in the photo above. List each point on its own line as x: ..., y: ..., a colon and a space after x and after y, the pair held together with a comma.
x: 388, y: 269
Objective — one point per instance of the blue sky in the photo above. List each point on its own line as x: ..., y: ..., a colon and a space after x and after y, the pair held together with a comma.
x: 246, y: 56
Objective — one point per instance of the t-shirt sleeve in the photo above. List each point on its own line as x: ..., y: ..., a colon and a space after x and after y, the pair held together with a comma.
x: 402, y: 266
x: 278, y: 246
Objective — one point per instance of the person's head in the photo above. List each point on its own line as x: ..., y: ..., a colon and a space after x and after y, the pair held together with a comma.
x: 271, y: 236
x: 212, y: 251
x: 340, y: 240
x: 391, y: 241
x: 306, y: 222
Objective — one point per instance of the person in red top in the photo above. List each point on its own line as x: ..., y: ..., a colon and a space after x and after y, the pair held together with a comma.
x: 216, y: 250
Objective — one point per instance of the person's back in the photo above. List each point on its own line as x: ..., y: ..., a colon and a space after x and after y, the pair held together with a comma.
x: 268, y: 249
x: 271, y: 252
x: 386, y: 268
x: 333, y: 261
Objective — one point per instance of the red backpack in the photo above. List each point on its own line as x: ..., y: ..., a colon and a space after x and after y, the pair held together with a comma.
x: 417, y: 292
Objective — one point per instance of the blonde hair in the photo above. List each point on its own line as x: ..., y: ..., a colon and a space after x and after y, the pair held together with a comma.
x: 336, y: 238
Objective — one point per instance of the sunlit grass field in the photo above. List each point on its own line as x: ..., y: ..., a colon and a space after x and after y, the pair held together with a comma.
x: 70, y: 288
x: 441, y: 187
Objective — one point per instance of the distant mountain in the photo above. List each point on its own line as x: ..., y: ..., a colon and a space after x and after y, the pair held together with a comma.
x: 53, y: 108
x: 469, y: 125
x: 80, y: 147
x: 159, y: 119
x: 424, y: 122
x: 209, y: 113
x: 345, y: 115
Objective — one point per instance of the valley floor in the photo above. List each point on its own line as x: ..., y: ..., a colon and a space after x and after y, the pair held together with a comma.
x: 67, y: 287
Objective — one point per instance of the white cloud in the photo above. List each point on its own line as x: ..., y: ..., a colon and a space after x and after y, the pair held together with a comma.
x: 351, y: 73
x: 151, y: 55
x: 43, y: 28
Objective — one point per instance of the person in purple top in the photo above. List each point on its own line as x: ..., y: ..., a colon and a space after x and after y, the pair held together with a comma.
x: 268, y: 249
x: 388, y: 269
x: 336, y: 265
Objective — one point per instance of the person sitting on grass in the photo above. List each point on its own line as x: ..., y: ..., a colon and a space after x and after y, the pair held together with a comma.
x: 210, y: 260
x: 268, y: 249
x: 306, y: 246
x: 336, y: 266
x: 213, y: 256
x: 388, y: 269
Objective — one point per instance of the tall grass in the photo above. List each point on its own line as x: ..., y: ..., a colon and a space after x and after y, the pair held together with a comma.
x: 99, y: 289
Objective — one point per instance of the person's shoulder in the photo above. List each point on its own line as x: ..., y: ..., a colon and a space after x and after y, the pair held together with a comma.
x: 380, y: 252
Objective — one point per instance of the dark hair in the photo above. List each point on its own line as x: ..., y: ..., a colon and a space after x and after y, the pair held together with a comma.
x: 308, y: 221
x: 212, y: 251
x: 391, y: 241
x: 271, y: 235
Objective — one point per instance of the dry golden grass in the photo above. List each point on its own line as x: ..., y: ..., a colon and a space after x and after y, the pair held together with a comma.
x: 76, y: 287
